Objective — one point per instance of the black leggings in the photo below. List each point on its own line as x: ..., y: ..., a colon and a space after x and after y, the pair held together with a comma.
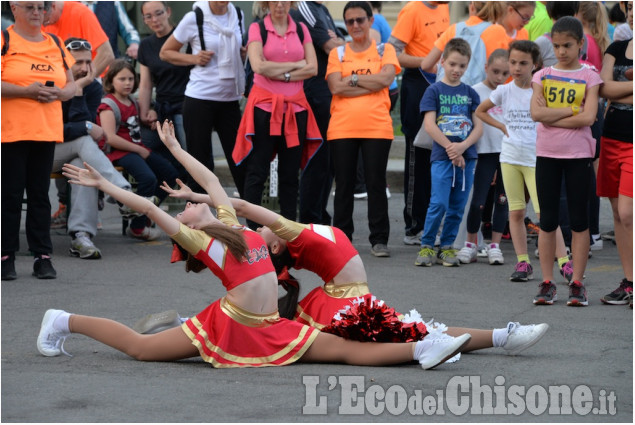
x: 257, y: 165
x: 577, y: 177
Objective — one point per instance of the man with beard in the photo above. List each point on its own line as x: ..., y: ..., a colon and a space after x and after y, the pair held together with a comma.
x: 80, y: 137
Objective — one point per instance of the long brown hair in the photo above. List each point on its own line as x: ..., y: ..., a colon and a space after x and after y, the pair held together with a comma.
x: 594, y: 16
x: 232, y: 238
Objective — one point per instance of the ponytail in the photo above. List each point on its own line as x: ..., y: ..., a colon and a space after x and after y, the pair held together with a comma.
x: 594, y: 15
x: 490, y: 11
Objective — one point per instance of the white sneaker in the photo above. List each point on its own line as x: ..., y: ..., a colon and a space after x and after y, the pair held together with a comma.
x: 597, y: 244
x: 361, y: 195
x: 412, y: 240
x: 50, y: 341
x: 438, y: 351
x: 467, y: 254
x: 520, y: 337
x: 83, y: 247
x: 495, y: 255
x: 147, y: 234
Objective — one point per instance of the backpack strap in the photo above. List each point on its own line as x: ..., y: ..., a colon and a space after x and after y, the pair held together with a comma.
x: 263, y: 31
x: 5, y: 44
x: 59, y: 45
x: 199, y: 24
x: 340, y: 51
x: 115, y: 109
x: 241, y: 15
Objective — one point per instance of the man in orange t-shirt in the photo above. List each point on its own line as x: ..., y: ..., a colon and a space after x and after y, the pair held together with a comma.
x: 72, y: 19
x: 418, y: 26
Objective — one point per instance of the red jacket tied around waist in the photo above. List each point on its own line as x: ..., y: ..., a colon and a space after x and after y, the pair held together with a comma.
x: 246, y: 131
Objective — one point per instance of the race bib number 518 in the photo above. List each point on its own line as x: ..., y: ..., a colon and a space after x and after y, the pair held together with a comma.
x: 563, y: 92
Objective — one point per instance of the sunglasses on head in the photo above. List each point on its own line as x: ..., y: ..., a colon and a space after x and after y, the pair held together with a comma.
x: 360, y: 20
x: 79, y: 45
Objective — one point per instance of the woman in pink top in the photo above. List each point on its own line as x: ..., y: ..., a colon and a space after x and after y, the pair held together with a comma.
x: 277, y: 118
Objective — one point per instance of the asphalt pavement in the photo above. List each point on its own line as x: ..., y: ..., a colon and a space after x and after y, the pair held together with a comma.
x: 581, y: 371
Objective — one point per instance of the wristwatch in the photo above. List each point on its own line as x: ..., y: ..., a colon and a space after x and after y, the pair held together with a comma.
x: 89, y: 126
x: 354, y: 80
x: 575, y: 110
x: 287, y: 77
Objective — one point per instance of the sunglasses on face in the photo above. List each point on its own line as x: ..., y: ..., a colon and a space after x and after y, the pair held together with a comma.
x: 360, y: 20
x: 79, y: 45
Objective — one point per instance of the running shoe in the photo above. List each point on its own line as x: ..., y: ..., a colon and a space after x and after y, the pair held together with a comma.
x: 547, y: 293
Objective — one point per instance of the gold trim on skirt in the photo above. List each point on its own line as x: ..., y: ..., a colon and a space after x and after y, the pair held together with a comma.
x: 348, y: 290
x: 247, y: 318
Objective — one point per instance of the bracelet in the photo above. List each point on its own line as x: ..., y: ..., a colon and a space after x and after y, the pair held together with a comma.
x: 575, y: 110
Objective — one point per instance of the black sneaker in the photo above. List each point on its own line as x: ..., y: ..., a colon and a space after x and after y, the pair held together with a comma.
x: 8, y: 268
x: 43, y: 268
x: 547, y: 293
x: 577, y: 295
x: 621, y: 296
x: 522, y: 272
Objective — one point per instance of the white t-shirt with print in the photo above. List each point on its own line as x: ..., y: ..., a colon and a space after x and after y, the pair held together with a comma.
x: 520, y: 147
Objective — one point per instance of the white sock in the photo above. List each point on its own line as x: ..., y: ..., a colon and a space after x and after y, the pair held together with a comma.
x: 61, y: 322
x: 499, y: 337
x: 421, y: 346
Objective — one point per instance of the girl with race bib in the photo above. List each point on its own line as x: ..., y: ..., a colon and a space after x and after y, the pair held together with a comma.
x: 518, y: 150
x: 564, y: 103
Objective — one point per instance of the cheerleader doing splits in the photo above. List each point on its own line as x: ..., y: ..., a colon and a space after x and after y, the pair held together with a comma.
x: 294, y: 245
x: 242, y: 329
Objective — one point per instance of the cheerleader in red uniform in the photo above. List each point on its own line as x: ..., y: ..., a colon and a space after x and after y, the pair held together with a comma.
x: 294, y: 245
x: 242, y: 329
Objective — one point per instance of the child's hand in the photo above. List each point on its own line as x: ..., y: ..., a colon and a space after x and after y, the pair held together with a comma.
x: 459, y: 162
x: 183, y: 193
x: 502, y: 127
x: 455, y: 150
x: 203, y: 57
x: 166, y: 134
x: 542, y: 102
x: 629, y: 74
x: 85, y: 177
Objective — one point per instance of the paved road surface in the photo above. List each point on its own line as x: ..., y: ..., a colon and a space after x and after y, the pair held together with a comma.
x: 588, y: 351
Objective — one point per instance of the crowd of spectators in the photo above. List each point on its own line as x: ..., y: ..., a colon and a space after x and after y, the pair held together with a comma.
x: 307, y: 90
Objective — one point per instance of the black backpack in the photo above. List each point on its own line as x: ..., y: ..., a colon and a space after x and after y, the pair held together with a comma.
x: 249, y: 73
x: 5, y: 46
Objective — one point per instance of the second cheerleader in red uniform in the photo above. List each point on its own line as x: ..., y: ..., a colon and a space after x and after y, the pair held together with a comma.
x: 327, y: 252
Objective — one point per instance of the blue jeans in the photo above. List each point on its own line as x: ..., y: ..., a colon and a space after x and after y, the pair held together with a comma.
x: 148, y: 173
x: 450, y: 190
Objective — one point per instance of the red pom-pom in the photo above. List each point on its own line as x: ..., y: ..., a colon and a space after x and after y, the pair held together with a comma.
x: 369, y: 320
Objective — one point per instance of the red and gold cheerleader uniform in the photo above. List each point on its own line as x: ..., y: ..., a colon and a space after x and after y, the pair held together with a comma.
x: 225, y: 334
x: 323, y: 250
